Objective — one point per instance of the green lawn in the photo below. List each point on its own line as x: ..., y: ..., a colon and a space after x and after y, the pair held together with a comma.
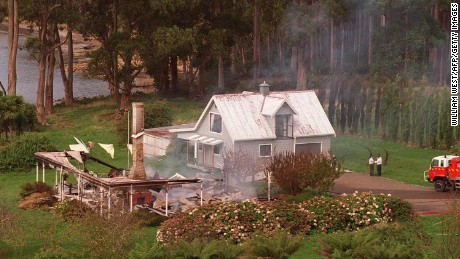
x: 405, y: 164
x: 93, y: 122
x: 90, y: 122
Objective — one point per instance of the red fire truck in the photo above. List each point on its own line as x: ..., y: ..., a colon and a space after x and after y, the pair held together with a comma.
x: 444, y: 172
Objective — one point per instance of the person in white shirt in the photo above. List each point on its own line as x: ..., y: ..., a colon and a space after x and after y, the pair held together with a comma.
x: 379, y: 165
x: 371, y: 166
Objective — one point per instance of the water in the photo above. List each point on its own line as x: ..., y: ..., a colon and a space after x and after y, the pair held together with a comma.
x: 27, y: 71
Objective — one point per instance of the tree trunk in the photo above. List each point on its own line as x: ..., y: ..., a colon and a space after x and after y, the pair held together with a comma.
x: 40, y: 108
x: 191, y: 89
x: 369, y: 47
x: 256, y: 42
x: 49, y: 84
x: 67, y: 80
x: 174, y: 81
x: 13, y: 35
x: 294, y: 57
x: 164, y: 76
x: 377, y: 116
x: 125, y: 97
x: 312, y: 53
x: 268, y: 50
x: 201, y: 82
x: 301, y: 68
x: 68, y: 87
x: 220, y: 78
x: 360, y: 32
x: 331, y: 56
x: 342, y: 46
x: 280, y: 51
x: 233, y: 60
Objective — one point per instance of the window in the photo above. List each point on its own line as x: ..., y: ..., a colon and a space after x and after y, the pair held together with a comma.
x: 435, y: 162
x: 217, y: 149
x: 215, y: 123
x: 283, y: 126
x: 265, y: 150
x: 200, y: 146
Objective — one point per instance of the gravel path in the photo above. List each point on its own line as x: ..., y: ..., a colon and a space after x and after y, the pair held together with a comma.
x: 424, y: 199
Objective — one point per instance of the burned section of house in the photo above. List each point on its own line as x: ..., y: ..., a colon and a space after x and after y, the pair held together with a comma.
x: 110, y: 194
x: 261, y: 124
x: 125, y: 189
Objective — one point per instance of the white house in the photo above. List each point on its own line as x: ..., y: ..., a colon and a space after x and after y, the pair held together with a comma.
x: 261, y: 123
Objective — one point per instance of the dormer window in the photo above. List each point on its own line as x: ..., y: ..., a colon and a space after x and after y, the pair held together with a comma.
x: 284, y: 126
x: 215, y: 123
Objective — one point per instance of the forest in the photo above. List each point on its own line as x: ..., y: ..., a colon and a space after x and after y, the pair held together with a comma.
x: 379, y: 67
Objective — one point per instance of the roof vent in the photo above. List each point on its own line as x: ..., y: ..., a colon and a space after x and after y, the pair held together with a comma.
x: 264, y: 89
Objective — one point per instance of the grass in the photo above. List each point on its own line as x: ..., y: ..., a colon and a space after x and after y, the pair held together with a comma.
x: 405, y: 164
x: 93, y: 121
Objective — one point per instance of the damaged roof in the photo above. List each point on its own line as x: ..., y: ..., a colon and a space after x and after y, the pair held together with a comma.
x: 246, y: 116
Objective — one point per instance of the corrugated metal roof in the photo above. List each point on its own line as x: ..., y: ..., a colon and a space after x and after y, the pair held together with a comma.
x: 243, y: 114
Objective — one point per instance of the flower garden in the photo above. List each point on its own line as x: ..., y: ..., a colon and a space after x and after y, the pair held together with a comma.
x: 240, y: 221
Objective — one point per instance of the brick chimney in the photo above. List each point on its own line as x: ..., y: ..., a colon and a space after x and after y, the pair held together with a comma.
x: 137, y: 171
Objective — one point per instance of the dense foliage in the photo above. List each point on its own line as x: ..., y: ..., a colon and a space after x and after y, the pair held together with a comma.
x: 197, y: 248
x: 15, y: 115
x: 297, y: 172
x: 144, y: 217
x: 239, y: 221
x: 20, y: 153
x: 40, y: 187
x: 156, y: 114
x: 380, y: 241
x: 72, y: 210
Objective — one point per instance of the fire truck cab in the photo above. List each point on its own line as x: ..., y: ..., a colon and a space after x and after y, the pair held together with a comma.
x: 444, y: 172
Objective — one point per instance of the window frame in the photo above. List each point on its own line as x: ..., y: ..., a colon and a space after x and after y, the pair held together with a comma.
x: 287, y: 126
x: 214, y: 149
x: 211, y: 114
x: 271, y: 150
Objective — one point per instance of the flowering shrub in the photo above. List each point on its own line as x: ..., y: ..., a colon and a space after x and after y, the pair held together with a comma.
x: 238, y: 221
x: 348, y: 212
x: 234, y: 221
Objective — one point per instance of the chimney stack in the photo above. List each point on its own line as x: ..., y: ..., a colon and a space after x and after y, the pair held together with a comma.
x: 264, y: 89
x: 137, y: 171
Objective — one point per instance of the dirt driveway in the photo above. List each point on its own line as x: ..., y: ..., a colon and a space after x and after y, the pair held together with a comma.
x: 424, y: 199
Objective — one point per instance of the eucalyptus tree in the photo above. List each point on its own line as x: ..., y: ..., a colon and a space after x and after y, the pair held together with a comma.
x: 70, y: 17
x: 13, y: 36
x: 43, y: 14
x: 99, y: 20
x: 302, y: 20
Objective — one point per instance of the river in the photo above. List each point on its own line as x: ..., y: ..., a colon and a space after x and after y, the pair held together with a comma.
x: 27, y: 71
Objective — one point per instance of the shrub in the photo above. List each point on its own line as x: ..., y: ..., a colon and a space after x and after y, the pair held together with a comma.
x: 16, y: 115
x: 100, y: 237
x: 279, y: 245
x: 239, y: 221
x: 146, y: 251
x: 234, y: 221
x: 20, y: 154
x: 156, y: 114
x: 380, y: 241
x: 448, y: 246
x: 71, y: 210
x: 39, y: 187
x: 144, y: 218
x: 203, y: 249
x: 296, y: 172
x: 401, y: 209
x: 348, y: 212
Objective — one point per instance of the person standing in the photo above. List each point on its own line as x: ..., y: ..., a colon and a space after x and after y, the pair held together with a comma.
x: 379, y: 165
x: 371, y: 166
